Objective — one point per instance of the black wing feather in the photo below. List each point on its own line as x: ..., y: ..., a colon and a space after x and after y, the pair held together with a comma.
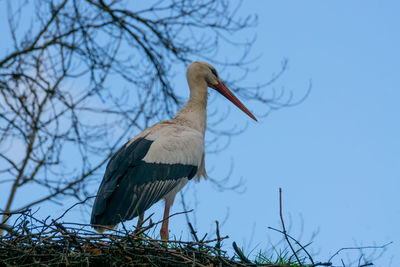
x: 131, y: 185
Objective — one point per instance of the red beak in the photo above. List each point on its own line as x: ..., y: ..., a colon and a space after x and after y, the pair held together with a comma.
x: 223, y: 90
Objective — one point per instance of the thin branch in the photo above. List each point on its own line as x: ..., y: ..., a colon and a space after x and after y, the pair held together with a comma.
x: 358, y: 248
x: 283, y: 227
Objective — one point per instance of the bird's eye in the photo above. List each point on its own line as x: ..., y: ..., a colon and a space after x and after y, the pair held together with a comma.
x: 214, y: 72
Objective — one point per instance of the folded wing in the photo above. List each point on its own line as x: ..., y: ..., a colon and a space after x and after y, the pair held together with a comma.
x: 141, y: 173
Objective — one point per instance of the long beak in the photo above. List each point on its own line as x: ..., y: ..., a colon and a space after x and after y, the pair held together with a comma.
x: 223, y: 90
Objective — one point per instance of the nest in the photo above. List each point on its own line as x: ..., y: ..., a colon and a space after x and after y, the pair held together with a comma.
x: 31, y: 241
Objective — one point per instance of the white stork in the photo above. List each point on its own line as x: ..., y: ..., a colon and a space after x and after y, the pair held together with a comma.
x: 158, y: 162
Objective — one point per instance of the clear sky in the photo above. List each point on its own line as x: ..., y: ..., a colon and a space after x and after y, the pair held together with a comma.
x: 336, y: 156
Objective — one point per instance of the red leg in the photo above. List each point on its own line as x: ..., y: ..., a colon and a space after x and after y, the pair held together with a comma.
x: 164, y: 226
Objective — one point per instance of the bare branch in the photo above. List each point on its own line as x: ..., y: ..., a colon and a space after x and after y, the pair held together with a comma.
x: 82, y: 76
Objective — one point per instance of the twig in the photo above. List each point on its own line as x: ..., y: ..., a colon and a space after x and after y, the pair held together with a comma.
x: 9, y: 229
x: 218, y: 244
x: 300, y: 245
x: 283, y: 226
x: 143, y: 229
x: 323, y: 264
x: 15, y: 212
x: 148, y: 218
x: 204, y: 237
x: 193, y: 232
x: 239, y: 252
x: 365, y: 264
x: 366, y: 247
x: 76, y: 204
x: 172, y: 215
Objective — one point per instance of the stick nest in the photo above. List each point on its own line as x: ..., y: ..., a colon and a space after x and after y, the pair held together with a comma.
x: 31, y: 241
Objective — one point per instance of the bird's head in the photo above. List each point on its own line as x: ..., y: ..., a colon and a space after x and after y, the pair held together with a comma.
x: 202, y: 72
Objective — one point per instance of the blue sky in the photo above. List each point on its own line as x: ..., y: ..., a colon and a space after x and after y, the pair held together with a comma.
x: 336, y: 156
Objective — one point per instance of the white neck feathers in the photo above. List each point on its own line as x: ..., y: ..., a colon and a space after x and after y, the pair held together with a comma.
x: 194, y: 111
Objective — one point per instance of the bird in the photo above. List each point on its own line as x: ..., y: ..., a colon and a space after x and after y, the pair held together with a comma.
x: 158, y: 162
